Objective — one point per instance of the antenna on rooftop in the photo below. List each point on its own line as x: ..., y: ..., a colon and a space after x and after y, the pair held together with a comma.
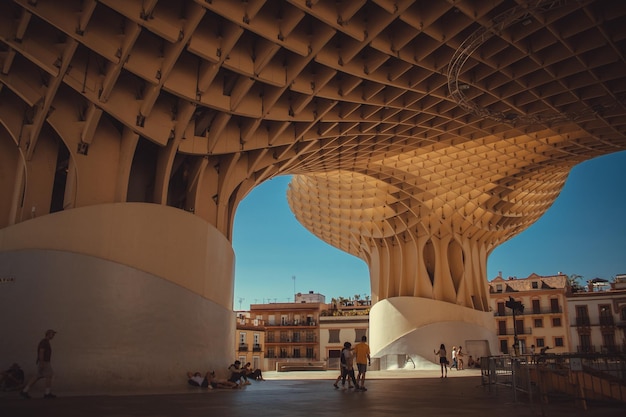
x: 293, y: 277
x: 240, y: 301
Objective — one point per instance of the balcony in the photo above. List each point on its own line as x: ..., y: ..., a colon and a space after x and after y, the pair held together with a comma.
x: 286, y: 339
x: 610, y: 349
x: 243, y: 347
x: 585, y: 349
x: 256, y: 347
x: 607, y: 321
x: 511, y: 332
x: 602, y: 321
x: 530, y: 311
x: 583, y: 321
x: 292, y: 323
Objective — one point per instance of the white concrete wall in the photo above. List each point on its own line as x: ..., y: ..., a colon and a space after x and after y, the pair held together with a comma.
x: 417, y: 326
x: 119, y: 327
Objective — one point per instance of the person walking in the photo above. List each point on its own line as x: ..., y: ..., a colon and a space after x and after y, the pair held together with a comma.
x: 443, y: 359
x: 454, y: 361
x: 362, y: 353
x: 44, y: 368
x: 347, y: 367
x: 460, y: 364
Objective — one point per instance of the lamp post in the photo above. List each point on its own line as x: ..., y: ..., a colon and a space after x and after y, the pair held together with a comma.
x: 515, y: 306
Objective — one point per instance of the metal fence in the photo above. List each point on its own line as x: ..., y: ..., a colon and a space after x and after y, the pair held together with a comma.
x: 586, y: 379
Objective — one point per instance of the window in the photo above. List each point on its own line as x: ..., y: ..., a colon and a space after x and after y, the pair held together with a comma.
x: 554, y: 305
x: 519, y: 326
x: 538, y: 322
x: 558, y: 341
x: 606, y: 316
x: 270, y: 353
x: 284, y: 320
x: 309, y: 353
x: 498, y: 287
x: 608, y: 342
x: 536, y: 307
x: 585, y: 343
x: 623, y: 314
x: 540, y: 342
x: 556, y: 322
x: 504, y: 346
x: 502, y: 328
x: 582, y: 316
x: 359, y: 333
x: 333, y: 336
x: 500, y: 309
x: 283, y: 353
x: 242, y: 338
x: 271, y: 320
x: 296, y: 337
x: 296, y: 352
x: 535, y: 284
x: 256, y: 337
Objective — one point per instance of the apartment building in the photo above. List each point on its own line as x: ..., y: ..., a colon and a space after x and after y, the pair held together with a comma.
x: 291, y: 331
x: 598, y: 316
x: 542, y: 321
x: 250, y: 334
x: 340, y: 324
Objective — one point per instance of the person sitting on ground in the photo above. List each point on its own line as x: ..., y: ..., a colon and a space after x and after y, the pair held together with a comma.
x: 477, y: 363
x: 208, y: 381
x: 256, y: 375
x: 237, y: 375
x: 12, y: 379
x: 470, y: 362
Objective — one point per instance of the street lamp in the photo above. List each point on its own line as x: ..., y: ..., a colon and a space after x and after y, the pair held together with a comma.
x: 515, y: 306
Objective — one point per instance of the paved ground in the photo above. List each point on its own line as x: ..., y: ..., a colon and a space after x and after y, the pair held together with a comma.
x: 299, y: 394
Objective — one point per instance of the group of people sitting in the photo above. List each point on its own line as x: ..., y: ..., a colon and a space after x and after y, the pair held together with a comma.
x: 12, y: 379
x: 239, y: 376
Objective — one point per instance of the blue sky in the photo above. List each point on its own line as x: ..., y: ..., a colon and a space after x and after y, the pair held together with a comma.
x: 583, y: 233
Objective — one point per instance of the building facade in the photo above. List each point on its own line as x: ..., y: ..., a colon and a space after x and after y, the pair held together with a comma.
x: 291, y: 331
x: 250, y: 340
x: 340, y: 324
x: 598, y: 317
x: 542, y: 321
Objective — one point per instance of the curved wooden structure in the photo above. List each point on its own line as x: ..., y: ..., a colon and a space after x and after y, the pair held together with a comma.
x: 421, y: 134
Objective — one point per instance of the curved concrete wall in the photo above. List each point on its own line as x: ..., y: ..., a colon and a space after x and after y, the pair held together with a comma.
x: 416, y: 326
x: 120, y: 326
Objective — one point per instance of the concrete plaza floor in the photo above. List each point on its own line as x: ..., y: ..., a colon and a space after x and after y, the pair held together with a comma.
x: 310, y: 393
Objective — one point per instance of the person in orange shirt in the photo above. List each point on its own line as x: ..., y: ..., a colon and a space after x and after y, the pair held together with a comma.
x: 362, y: 354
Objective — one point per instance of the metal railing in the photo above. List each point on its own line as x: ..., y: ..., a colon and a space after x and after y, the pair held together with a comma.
x: 511, y: 331
x: 580, y: 378
x: 531, y: 311
x: 602, y: 321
